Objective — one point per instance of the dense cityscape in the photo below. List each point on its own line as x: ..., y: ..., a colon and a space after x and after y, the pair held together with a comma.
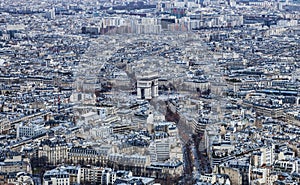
x: 137, y: 92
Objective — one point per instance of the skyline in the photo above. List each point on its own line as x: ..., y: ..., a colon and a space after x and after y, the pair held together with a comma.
x: 150, y: 92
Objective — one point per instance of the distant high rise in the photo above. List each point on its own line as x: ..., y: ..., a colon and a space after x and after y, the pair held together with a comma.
x: 50, y: 14
x: 199, y: 2
x: 205, y: 2
x: 232, y: 3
